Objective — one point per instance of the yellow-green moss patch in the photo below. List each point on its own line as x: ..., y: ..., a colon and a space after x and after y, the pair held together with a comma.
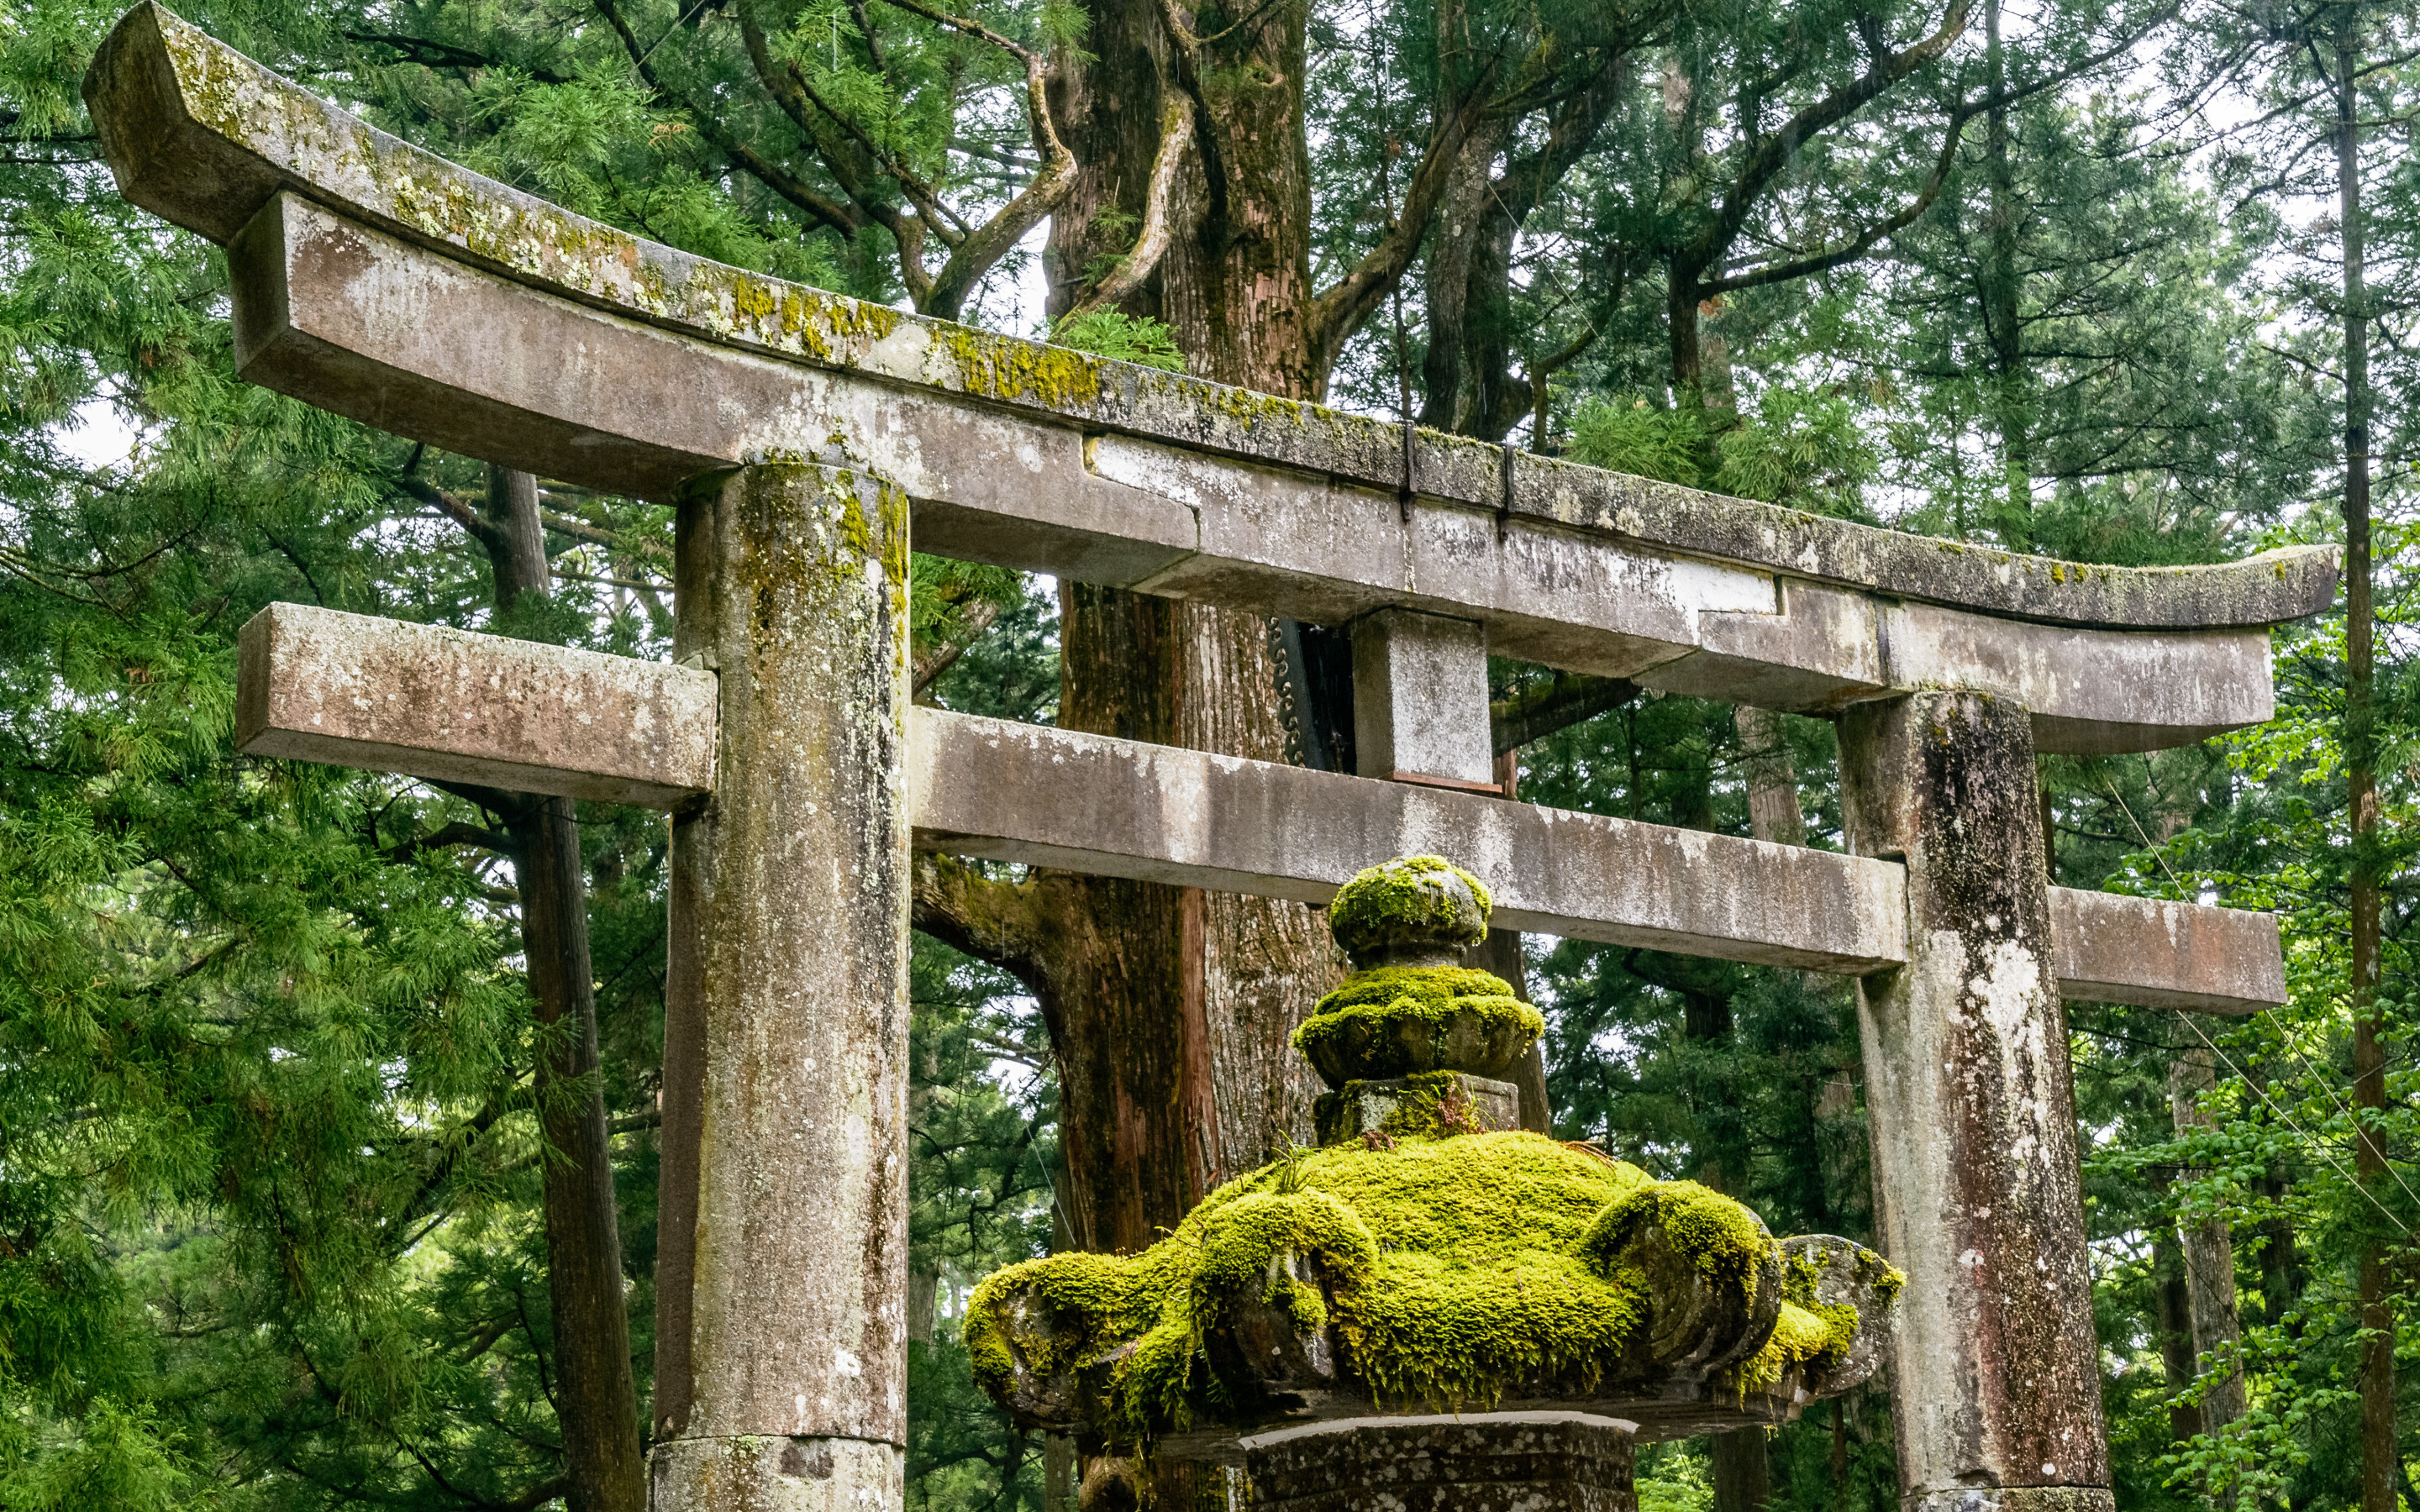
x: 1454, y: 1269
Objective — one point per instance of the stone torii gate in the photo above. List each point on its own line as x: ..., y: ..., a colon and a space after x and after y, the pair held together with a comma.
x: 803, y: 436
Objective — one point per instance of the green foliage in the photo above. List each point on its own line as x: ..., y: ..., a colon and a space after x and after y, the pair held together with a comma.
x: 1803, y: 449
x: 1128, y: 338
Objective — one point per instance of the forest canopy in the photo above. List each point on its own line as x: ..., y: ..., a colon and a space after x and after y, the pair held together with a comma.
x: 297, y: 1060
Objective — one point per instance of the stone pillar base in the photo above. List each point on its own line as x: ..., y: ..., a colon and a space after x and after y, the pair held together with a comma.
x: 1507, y: 1462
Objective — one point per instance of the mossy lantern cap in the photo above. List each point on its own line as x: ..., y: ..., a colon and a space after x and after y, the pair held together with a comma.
x: 1412, y: 911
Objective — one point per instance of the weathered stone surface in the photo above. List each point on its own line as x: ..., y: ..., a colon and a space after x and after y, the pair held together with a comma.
x: 2153, y: 954
x: 1118, y: 808
x: 360, y: 323
x: 354, y: 320
x: 205, y: 137
x: 1054, y: 797
x: 1972, y: 1111
x: 319, y: 686
x: 2089, y: 692
x: 1363, y: 1107
x: 1420, y: 698
x: 782, y: 1279
x: 1491, y: 1462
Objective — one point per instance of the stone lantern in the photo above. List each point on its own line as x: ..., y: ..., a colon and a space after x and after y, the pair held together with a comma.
x: 1431, y: 1308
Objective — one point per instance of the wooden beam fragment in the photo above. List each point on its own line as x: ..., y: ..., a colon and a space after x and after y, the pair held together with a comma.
x: 321, y: 686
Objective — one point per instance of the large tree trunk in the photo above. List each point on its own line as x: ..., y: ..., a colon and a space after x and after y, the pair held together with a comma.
x: 596, y: 1396
x: 2380, y: 1466
x: 1171, y: 1011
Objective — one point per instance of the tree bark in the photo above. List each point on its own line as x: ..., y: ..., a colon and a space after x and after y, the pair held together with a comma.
x: 597, y: 1397
x: 1772, y: 809
x: 2000, y: 318
x: 2208, y: 1249
x: 2378, y: 1461
x: 2175, y: 1316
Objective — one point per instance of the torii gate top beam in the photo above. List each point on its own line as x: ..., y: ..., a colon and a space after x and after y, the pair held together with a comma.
x: 1055, y: 460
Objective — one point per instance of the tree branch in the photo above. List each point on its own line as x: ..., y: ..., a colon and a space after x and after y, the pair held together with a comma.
x: 1865, y: 241
x: 1335, y: 316
x: 991, y: 920
x: 1151, y: 244
x: 973, y: 622
x: 1535, y: 713
x: 790, y: 187
x: 983, y: 247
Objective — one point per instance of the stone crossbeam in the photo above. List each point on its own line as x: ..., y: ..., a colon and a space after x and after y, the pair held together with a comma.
x: 319, y: 686
x: 383, y: 282
x: 322, y: 685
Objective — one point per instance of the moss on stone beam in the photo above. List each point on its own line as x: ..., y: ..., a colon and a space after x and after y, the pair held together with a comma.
x: 204, y: 136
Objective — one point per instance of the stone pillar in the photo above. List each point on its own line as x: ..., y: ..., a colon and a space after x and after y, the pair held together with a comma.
x: 1420, y: 698
x: 782, y: 1284
x: 1996, y: 1380
x: 1503, y: 1462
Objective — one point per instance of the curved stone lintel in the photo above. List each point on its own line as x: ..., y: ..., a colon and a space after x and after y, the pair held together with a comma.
x: 205, y: 137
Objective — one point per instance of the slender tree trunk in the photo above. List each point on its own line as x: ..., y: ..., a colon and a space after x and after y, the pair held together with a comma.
x: 2379, y: 1462
x: 2175, y: 1314
x: 2000, y: 289
x: 597, y: 1398
x: 2209, y: 1248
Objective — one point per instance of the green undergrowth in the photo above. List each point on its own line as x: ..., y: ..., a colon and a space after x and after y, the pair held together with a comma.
x: 1454, y: 1269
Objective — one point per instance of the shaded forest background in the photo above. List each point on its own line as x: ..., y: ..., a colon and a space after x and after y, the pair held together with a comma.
x: 2124, y: 281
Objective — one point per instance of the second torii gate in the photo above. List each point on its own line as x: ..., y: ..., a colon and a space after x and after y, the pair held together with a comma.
x: 802, y: 433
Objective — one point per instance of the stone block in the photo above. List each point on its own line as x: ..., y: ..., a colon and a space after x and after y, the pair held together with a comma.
x: 318, y: 685
x: 1359, y: 1108
x: 1120, y: 808
x: 204, y: 136
x: 1420, y: 698
x: 1495, y: 1462
x: 2147, y: 952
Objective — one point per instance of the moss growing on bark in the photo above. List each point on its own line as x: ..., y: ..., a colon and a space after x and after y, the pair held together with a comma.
x: 1451, y: 1271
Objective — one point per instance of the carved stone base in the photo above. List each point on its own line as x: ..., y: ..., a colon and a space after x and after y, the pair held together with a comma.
x: 1502, y: 1462
x: 1364, y: 1106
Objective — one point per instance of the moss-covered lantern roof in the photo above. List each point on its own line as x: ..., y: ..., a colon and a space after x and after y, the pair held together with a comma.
x: 1426, y: 1263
